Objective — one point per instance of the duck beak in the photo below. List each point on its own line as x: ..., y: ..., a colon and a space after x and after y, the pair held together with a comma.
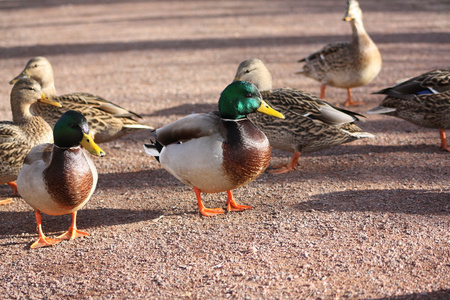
x: 88, y: 143
x: 23, y: 74
x: 348, y: 17
x: 236, y: 78
x: 266, y: 109
x: 46, y: 100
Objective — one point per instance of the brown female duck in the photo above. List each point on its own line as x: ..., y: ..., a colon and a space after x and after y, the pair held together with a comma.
x: 423, y: 100
x: 342, y: 64
x: 310, y: 123
x: 24, y: 132
x: 108, y: 121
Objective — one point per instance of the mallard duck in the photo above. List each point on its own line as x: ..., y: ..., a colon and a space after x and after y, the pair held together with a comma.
x: 24, y: 132
x: 311, y: 123
x: 423, y: 100
x: 108, y: 121
x: 218, y: 151
x: 342, y: 64
x: 59, y: 178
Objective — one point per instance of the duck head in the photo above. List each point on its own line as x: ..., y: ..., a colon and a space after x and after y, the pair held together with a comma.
x: 72, y: 130
x: 241, y: 98
x: 353, y: 11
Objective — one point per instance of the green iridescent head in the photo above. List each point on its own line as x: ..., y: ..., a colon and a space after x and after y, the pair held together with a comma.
x: 241, y: 98
x: 72, y: 130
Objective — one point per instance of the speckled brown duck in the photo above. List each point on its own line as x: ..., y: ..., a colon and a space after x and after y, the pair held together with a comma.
x: 423, y: 100
x: 24, y: 132
x: 345, y: 64
x: 108, y: 121
x: 310, y: 123
x: 58, y: 179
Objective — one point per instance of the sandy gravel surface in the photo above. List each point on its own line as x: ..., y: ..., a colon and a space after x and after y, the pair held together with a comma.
x: 366, y: 220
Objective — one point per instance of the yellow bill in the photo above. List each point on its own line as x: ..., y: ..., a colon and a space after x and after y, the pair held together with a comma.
x: 88, y: 143
x: 23, y: 74
x: 47, y: 100
x: 266, y: 109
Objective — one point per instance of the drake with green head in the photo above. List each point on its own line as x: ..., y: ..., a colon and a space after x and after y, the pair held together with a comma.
x: 218, y: 151
x: 107, y: 120
x: 59, y: 178
x: 24, y: 132
x: 423, y: 100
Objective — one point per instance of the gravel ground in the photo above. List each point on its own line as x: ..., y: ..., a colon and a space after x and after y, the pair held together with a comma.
x: 365, y: 220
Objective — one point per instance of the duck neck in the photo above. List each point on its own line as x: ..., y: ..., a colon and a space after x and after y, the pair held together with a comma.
x: 21, y: 113
x: 359, y: 34
x: 35, y: 127
x: 263, y: 82
x: 49, y: 88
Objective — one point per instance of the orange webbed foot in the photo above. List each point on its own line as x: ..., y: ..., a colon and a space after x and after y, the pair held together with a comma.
x: 6, y: 201
x: 353, y: 103
x: 209, y: 212
x: 282, y: 169
x: 44, y: 241
x: 72, y: 234
x: 233, y: 206
x: 349, y: 101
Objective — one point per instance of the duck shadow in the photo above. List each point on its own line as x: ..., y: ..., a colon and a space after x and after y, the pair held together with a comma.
x: 405, y: 201
x: 374, y: 149
x: 136, y: 181
x: 23, y: 222
x: 441, y: 294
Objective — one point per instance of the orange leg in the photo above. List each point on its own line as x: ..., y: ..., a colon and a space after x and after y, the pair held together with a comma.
x: 443, y: 141
x: 43, y: 241
x: 13, y: 185
x: 282, y: 169
x: 207, y: 212
x: 73, y: 233
x: 233, y: 206
x: 349, y: 101
x: 322, y: 91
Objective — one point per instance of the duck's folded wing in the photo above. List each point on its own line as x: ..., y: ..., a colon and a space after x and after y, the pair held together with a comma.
x: 433, y: 82
x: 97, y: 102
x: 40, y: 152
x: 189, y: 127
x: 330, y: 49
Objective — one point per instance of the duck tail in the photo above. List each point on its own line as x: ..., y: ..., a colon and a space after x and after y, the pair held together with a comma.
x: 362, y: 135
x: 380, y: 110
x: 153, y: 149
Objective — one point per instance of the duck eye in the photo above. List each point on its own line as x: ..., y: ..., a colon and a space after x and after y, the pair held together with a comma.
x: 249, y: 95
x: 73, y: 126
x: 247, y: 71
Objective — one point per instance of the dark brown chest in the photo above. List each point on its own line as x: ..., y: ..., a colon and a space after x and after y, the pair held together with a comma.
x: 246, y: 152
x: 69, y: 178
